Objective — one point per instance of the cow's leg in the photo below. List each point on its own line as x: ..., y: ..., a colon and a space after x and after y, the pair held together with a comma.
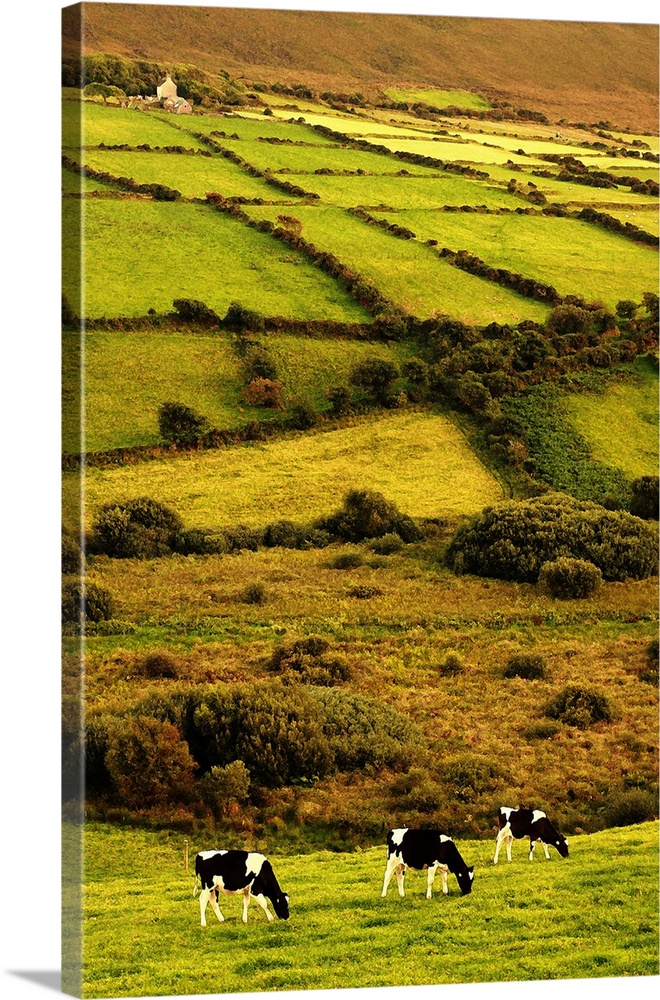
x: 509, y: 842
x: 532, y: 845
x: 215, y: 907
x: 389, y: 872
x: 246, y: 903
x: 203, y: 900
x: 263, y: 903
x: 444, y: 871
x: 545, y: 848
x: 429, y: 881
x: 501, y: 837
x: 400, y: 874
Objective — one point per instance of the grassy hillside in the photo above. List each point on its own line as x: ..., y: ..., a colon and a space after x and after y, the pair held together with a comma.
x: 558, y: 919
x: 583, y: 71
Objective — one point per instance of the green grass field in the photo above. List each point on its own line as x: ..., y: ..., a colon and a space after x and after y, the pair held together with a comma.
x: 73, y: 183
x: 592, y: 915
x: 645, y: 218
x: 250, y: 128
x: 114, y: 126
x: 410, y: 192
x: 473, y: 151
x: 438, y: 98
x: 145, y: 254
x: 307, y: 159
x: 576, y: 257
x: 421, y: 461
x: 415, y: 278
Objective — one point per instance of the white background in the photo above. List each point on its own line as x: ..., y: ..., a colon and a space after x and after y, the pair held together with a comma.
x: 29, y: 517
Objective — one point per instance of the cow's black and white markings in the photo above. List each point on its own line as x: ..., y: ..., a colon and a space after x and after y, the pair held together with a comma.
x: 238, y: 871
x: 515, y: 824
x: 430, y: 849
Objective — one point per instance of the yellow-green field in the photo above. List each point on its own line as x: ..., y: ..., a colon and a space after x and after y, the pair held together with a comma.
x: 419, y: 460
x: 437, y: 98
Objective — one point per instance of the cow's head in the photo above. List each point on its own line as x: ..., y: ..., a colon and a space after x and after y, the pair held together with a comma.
x: 562, y: 846
x: 465, y: 880
x: 281, y: 905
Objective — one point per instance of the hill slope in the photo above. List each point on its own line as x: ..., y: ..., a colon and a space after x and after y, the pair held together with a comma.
x: 581, y: 70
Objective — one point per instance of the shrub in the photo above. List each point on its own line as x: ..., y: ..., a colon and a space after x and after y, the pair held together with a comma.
x: 644, y: 501
x: 512, y: 541
x: 69, y: 318
x: 141, y: 528
x: 73, y: 560
x: 286, y: 535
x: 242, y: 536
x: 198, y: 541
x: 626, y: 308
x: 149, y: 763
x: 569, y: 319
x: 468, y: 775
x: 340, y: 399
x: 364, y: 592
x: 570, y: 578
x: 579, y: 706
x: 649, y: 672
x: 85, y: 602
x: 529, y: 666
x: 263, y: 392
x: 387, y: 545
x: 310, y: 661
x: 96, y: 738
x: 544, y: 729
x: 254, y: 593
x: 302, y: 414
x: 180, y: 424
x: 364, y: 732
x: 239, y: 318
x: 631, y: 806
x: 160, y: 664
x: 260, y: 364
x: 451, y: 666
x: 416, y: 790
x: 192, y: 311
x: 347, y: 560
x: 224, y: 786
x: 367, y: 514
x: 375, y: 377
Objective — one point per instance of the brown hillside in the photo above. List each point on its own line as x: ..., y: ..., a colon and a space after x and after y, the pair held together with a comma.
x: 583, y: 71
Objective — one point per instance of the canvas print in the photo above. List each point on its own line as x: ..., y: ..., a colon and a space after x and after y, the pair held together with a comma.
x: 360, y: 500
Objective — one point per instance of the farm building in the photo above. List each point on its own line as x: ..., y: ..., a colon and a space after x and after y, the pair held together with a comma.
x: 167, y: 89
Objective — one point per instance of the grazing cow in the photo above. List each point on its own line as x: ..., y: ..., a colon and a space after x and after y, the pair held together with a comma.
x: 419, y: 849
x: 532, y: 823
x: 238, y: 871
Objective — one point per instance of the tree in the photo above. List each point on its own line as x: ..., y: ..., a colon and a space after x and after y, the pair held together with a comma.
x: 103, y: 90
x: 149, y: 763
x: 375, y: 377
x: 180, y: 424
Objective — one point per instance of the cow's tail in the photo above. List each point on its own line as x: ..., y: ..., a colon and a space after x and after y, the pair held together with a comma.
x: 195, y: 885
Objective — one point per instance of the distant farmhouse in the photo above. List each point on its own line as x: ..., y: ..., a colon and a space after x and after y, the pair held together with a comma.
x: 166, y: 98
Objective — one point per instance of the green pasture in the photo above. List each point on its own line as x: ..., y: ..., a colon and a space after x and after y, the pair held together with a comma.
x: 530, y: 146
x: 410, y: 192
x: 633, y: 168
x: 620, y: 424
x: 419, y: 460
x: 129, y: 375
x: 251, y: 128
x: 114, y: 126
x: 307, y: 159
x: 144, y: 254
x: 592, y: 915
x: 361, y: 125
x: 576, y: 257
x: 193, y: 176
x: 438, y: 98
x: 410, y: 274
x: 73, y: 183
x: 645, y: 218
x: 627, y: 138
x: 469, y: 151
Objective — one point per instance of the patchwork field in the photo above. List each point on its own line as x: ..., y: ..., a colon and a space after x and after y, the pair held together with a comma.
x: 421, y: 461
x: 410, y: 192
x: 88, y: 124
x: 557, y: 919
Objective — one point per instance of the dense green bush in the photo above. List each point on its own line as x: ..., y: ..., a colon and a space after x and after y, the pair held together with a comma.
x: 579, y: 706
x: 263, y: 392
x: 367, y: 514
x: 160, y: 664
x: 310, y: 661
x: 347, y: 560
x: 148, y: 762
x: 192, y: 311
x: 240, y: 318
x: 644, y: 503
x: 416, y: 790
x: 570, y: 578
x: 339, y: 397
x: 254, y: 593
x: 224, y: 786
x: 387, y: 545
x: 141, y: 528
x: 529, y: 666
x: 242, y: 536
x: 73, y: 560
x: 259, y: 363
x: 180, y: 424
x: 631, y: 806
x: 376, y: 378
x: 302, y: 414
x: 364, y: 732
x: 451, y: 666
x: 468, y: 775
x: 364, y: 591
x: 83, y: 602
x: 513, y: 540
x: 199, y: 541
x: 544, y: 729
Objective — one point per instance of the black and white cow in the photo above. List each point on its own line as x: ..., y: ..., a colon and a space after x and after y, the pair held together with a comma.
x: 532, y: 823
x: 420, y: 849
x: 238, y: 871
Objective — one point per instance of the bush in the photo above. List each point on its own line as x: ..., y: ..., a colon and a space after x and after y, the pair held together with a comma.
x: 239, y: 318
x: 513, y: 540
x: 159, y: 664
x: 631, y: 806
x: 263, y: 392
x: 569, y: 319
x: 310, y: 661
x: 570, y: 578
x: 387, y: 545
x: 242, y: 536
x: 149, y: 763
x: 416, y: 790
x: 199, y: 542
x: 180, y: 424
x: 224, y: 786
x: 367, y: 514
x: 451, y: 666
x: 544, y: 729
x: 579, y: 706
x: 73, y: 560
x: 376, y: 378
x: 286, y: 535
x: 364, y: 732
x: 302, y: 414
x: 260, y: 364
x: 254, y: 593
x: 364, y: 592
x: 468, y: 775
x: 340, y: 399
x: 347, y: 560
x: 644, y: 501
x: 649, y: 672
x: 529, y: 666
x: 85, y: 602
x: 140, y: 528
x: 192, y: 311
